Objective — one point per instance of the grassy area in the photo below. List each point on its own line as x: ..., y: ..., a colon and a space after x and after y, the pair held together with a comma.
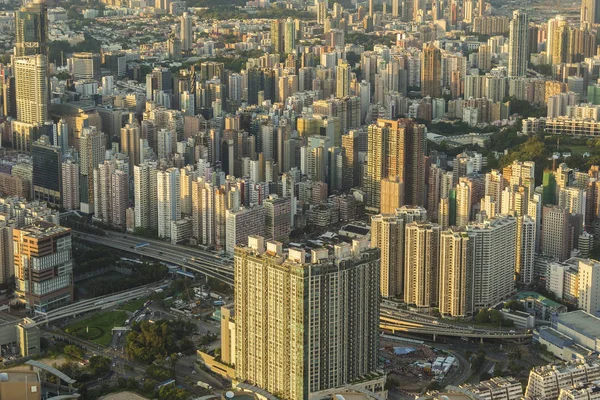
x: 132, y: 306
x: 98, y: 328
x: 579, y: 149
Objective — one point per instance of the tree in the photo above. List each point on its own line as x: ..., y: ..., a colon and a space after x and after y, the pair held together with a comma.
x: 74, y: 351
x: 514, y: 305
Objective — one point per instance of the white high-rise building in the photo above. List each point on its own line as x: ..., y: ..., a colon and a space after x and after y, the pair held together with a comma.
x: 235, y: 87
x: 31, y: 88
x: 145, y: 196
x: 589, y: 286
x: 517, y: 44
x: 91, y: 150
x: 494, y: 243
x: 169, y: 203
x: 243, y: 223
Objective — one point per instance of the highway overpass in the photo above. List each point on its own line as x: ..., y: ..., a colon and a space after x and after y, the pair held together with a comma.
x: 187, y: 258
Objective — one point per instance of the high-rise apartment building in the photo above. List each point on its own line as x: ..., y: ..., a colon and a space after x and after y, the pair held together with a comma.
x: 289, y: 45
x: 187, y: 38
x: 556, y: 232
x: 588, y: 298
x: 242, y: 223
x: 6, y: 252
x: 590, y: 13
x: 145, y: 195
x: 494, y: 243
x: 119, y: 181
x: 342, y: 79
x: 277, y: 218
x: 431, y: 71
x: 91, y: 148
x: 517, y: 44
x: 456, y: 275
x: 31, y: 89
x: 85, y: 66
x: 47, y: 171
x: 43, y: 265
x: 396, y: 149
x: 70, y: 185
x: 168, y: 200
x: 31, y: 29
x: 387, y: 234
x: 331, y: 300
x: 421, y: 264
x: 525, y: 249
x: 130, y: 142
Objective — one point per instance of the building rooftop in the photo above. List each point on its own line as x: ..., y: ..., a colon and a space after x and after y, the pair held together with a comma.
x: 542, y: 299
x: 581, y: 322
x: 123, y: 396
x: 19, y: 376
x: 41, y: 229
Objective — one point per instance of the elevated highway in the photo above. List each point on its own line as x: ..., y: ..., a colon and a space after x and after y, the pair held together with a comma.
x: 187, y: 258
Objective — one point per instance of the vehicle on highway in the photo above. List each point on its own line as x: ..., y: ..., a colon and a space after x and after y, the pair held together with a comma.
x: 204, y: 385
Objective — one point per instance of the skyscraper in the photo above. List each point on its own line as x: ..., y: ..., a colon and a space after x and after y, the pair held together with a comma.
x: 47, y: 171
x: 590, y: 13
x: 331, y: 300
x: 456, y: 275
x: 168, y: 200
x: 31, y: 29
x: 387, y: 234
x: 342, y: 79
x: 289, y: 36
x: 92, y: 148
x: 588, y: 298
x: 421, y: 264
x: 555, y: 232
x: 31, y: 89
x: 431, y: 71
x: 130, y: 142
x: 70, y: 184
x: 278, y: 36
x: 277, y: 218
x: 517, y: 44
x: 146, y: 201
x: 494, y: 243
x: 186, y: 32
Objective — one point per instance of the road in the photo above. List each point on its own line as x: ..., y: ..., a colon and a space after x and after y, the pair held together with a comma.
x: 185, y: 257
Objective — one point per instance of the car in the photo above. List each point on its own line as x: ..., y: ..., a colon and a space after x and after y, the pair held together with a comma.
x: 512, y: 331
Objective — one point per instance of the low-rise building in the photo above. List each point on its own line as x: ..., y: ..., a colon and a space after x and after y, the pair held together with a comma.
x: 546, y: 382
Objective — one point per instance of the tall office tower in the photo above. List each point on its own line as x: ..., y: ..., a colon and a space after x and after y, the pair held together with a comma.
x: 31, y: 89
x: 7, y: 269
x: 525, y: 249
x: 85, y: 66
x: 421, y: 264
x: 396, y: 148
x: 9, y: 106
x: 387, y: 234
x: 60, y: 132
x: 278, y: 36
x: 146, y: 200
x: 119, y: 181
x: 47, y: 248
x: 47, y: 171
x: 187, y: 36
x: 130, y: 142
x: 187, y: 103
x: 331, y: 300
x: 431, y: 71
x: 350, y: 167
x: 70, y: 185
x: 91, y: 150
x: 277, y: 218
x: 289, y: 36
x: 589, y: 286
x: 517, y: 44
x: 371, y: 8
x: 395, y: 8
x: 342, y: 79
x: 168, y: 201
x: 556, y: 232
x: 494, y: 243
x: 590, y: 13
x: 456, y: 274
x: 31, y: 30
